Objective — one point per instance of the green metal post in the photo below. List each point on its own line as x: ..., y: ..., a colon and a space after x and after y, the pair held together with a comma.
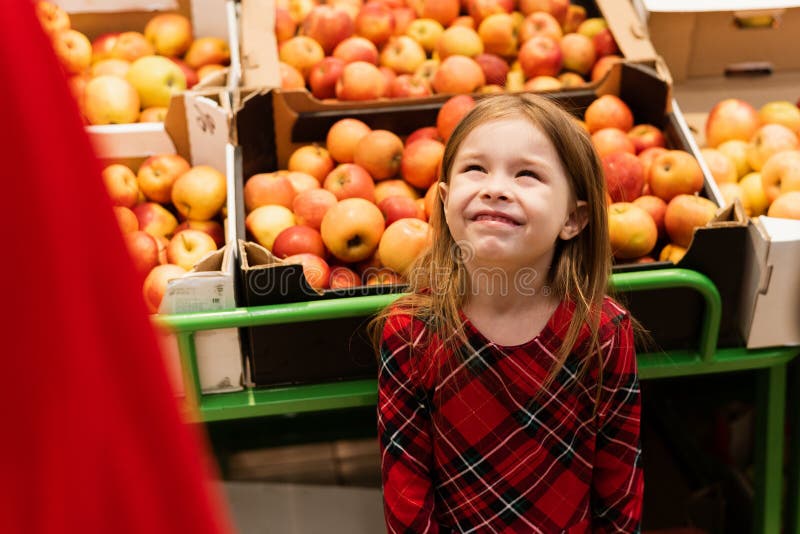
x: 793, y: 523
x: 770, y: 421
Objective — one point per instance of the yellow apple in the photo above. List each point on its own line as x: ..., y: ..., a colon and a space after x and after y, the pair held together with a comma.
x: 781, y: 112
x: 781, y: 174
x: 169, y: 33
x: 402, y: 242
x: 121, y: 185
x: 157, y: 174
x: 736, y: 150
x: 266, y: 222
x: 753, y: 190
x: 768, y: 140
x: 787, y: 206
x: 187, y: 247
x: 722, y: 168
x: 207, y: 50
x: 111, y: 66
x: 199, y: 193
x: 73, y: 49
x: 110, y: 100
x: 352, y: 229
x: 156, y: 79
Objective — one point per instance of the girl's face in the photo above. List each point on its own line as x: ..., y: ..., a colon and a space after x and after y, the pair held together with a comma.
x: 508, y: 198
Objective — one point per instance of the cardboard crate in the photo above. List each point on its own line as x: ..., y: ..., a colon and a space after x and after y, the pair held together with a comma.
x: 260, y: 50
x: 674, y: 316
x: 92, y: 18
x: 197, y: 127
x: 701, y: 42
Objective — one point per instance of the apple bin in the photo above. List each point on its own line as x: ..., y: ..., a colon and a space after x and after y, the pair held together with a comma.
x: 672, y: 315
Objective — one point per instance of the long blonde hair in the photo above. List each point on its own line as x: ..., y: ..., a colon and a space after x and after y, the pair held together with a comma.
x: 581, y: 266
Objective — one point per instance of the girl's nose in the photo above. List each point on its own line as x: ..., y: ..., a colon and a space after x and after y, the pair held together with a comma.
x: 495, y: 188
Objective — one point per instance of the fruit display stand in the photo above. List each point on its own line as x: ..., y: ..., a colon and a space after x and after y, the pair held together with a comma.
x: 770, y: 364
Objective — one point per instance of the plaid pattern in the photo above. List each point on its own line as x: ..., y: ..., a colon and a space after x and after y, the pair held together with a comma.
x: 469, y: 442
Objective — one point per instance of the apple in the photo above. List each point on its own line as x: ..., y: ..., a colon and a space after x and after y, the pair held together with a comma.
x: 464, y: 20
x: 121, y: 185
x: 380, y: 153
x: 768, y: 140
x: 402, y: 54
x: 126, y: 219
x: 781, y: 174
x: 130, y: 46
x: 396, y: 187
x: 673, y: 173
x: 350, y: 180
x: 495, y: 69
x: 311, y: 159
x: 736, y: 150
x: 388, y: 77
x: 73, y: 49
x: 207, y: 71
x: 421, y: 162
x: 351, y: 7
x: 684, y: 214
x: 199, y: 193
x: 309, y: 207
x: 356, y: 48
x: 206, y: 51
x: 398, y: 207
x: 426, y: 132
x: 480, y: 10
x: 753, y: 190
x: 52, y: 17
x: 575, y: 16
x: 499, y: 35
x: 162, y: 249
x: 298, y: 9
x: 787, y: 206
x: 540, y: 56
x: 402, y: 242
x: 327, y: 25
x: 672, y: 252
x: 266, y: 222
x: 624, y: 176
x: 110, y: 100
x: 656, y: 208
x: 77, y: 87
x: 426, y: 32
x: 156, y: 79
x: 381, y: 277
x: 604, y: 43
x: 169, y: 33
x: 189, y: 73
x: 343, y: 137
x: 352, y: 229
x: 323, y: 76
x: 592, y: 26
x: 423, y: 215
x: 302, y: 53
x: 442, y: 11
x: 578, y: 53
x: 647, y: 156
x: 721, y: 167
x: 609, y: 140
x: 451, y: 113
x: 375, y: 21
x: 515, y: 81
x: 154, y: 114
x: 539, y: 23
x: 542, y: 83
x: 155, y: 219
x: 103, y: 45
x: 291, y: 78
x: 372, y: 263
x: 409, y: 86
x: 342, y: 278
x: 632, y: 231
x: 781, y: 112
x: 458, y: 74
x: 646, y: 136
x: 302, y: 182
x: 603, y: 65
x: 212, y: 228
x: 428, y: 69
x: 110, y: 67
x: 608, y: 111
x: 571, y: 79
x: 732, y: 191
x: 187, y: 247
x: 285, y: 26
x: 316, y: 271
x: 157, y: 175
x: 298, y: 240
x: 731, y: 118
x: 556, y: 8
x: 155, y: 284
x: 268, y: 188
x: 360, y: 81
x: 459, y: 40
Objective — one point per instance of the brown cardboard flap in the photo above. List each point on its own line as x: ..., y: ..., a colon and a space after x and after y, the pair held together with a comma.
x: 628, y: 30
x: 259, y: 46
x: 270, y: 280
x: 731, y: 215
x: 254, y: 255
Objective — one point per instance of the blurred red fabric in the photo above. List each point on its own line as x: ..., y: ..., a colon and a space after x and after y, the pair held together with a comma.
x: 92, y: 439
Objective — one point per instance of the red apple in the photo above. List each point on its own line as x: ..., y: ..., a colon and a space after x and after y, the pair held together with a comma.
x: 451, y: 114
x: 409, y: 86
x: 103, y: 45
x: 380, y: 153
x: 212, y: 228
x: 343, y: 137
x: 360, y: 81
x: 556, y: 8
x: 624, y: 176
x: 298, y: 240
x: 673, y: 173
x: 609, y: 140
x: 482, y: 9
x: 397, y: 207
x: 52, y: 17
x: 143, y: 250
x: 131, y: 46
x: 603, y: 65
x: 302, y: 53
x: 309, y: 207
x: 604, y: 43
x: 323, y: 77
x: 388, y: 77
x: 402, y: 242
x: 731, y: 118
x: 646, y: 136
x: 126, y: 219
x: 268, y: 188
x: 328, y: 26
x: 342, y: 277
x: 539, y: 23
x: 155, y: 219
x: 396, y: 187
x: 349, y: 180
x: 188, y: 247
x: 285, y: 26
x: 426, y: 132
x: 495, y: 68
x: 313, y: 160
x: 656, y: 208
x: 352, y: 229
x: 375, y: 21
x: 632, y: 231
x: 608, y: 111
x: 421, y: 162
x: 157, y: 175
x: 458, y: 74
x: 381, y: 277
x: 207, y: 51
x: 578, y: 53
x: 189, y: 73
x: 356, y: 48
x: 499, y: 35
x: 155, y: 284
x: 575, y: 16
x: 404, y: 16
x: 684, y: 214
x: 316, y: 271
x: 540, y: 56
x: 121, y: 185
x: 442, y: 11
x: 647, y: 156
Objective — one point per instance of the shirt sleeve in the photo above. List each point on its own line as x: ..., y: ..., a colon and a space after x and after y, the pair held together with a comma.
x: 618, y: 481
x: 404, y: 432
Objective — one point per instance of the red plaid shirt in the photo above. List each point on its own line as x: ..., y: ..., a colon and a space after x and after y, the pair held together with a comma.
x: 469, y: 443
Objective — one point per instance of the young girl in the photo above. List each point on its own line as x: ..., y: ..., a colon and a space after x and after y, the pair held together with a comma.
x: 508, y: 392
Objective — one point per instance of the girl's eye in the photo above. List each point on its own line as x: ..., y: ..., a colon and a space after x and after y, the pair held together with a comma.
x: 473, y: 167
x: 528, y: 173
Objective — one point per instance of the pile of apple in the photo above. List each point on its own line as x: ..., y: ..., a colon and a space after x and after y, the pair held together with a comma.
x: 130, y: 76
x: 148, y: 205
x: 350, y: 50
x: 755, y: 155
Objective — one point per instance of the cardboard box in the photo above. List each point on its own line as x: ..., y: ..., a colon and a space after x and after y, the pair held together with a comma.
x: 260, y: 50
x: 673, y: 316
x: 93, y: 18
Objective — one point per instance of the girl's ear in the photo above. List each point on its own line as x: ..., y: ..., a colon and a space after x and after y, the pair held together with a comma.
x: 576, y: 221
x: 443, y: 190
